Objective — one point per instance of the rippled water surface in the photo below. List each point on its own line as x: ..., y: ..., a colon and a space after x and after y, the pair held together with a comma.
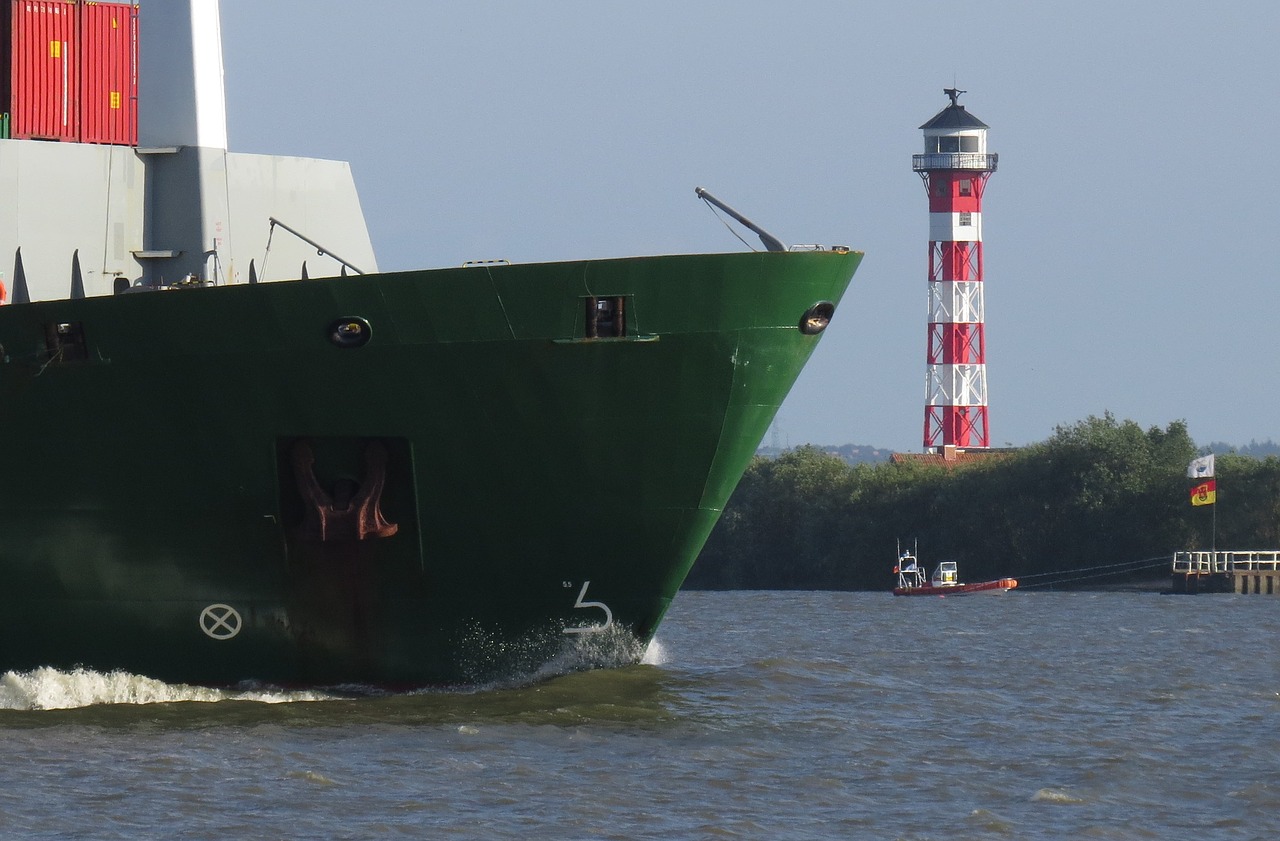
x: 756, y: 715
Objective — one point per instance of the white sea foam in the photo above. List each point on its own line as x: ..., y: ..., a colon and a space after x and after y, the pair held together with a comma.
x: 1056, y: 795
x: 52, y: 689
x: 655, y: 654
x: 607, y: 649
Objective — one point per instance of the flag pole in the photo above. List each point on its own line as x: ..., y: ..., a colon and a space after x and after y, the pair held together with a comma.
x: 1213, y: 539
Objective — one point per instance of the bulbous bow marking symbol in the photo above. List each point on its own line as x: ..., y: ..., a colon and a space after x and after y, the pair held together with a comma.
x: 220, y: 621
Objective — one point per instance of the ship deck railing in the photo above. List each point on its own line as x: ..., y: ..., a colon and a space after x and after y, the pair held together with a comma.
x: 1208, y: 563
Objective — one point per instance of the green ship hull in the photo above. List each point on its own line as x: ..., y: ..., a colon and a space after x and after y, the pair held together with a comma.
x: 443, y: 477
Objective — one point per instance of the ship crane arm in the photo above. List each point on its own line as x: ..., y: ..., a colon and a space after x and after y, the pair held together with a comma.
x: 320, y: 249
x: 771, y: 243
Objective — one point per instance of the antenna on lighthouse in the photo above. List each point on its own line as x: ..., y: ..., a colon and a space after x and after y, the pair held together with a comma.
x: 955, y: 167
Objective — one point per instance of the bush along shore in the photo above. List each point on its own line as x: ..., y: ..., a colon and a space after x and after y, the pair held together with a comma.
x: 1102, y: 497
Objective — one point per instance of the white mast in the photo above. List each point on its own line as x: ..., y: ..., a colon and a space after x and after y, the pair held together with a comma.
x: 181, y: 92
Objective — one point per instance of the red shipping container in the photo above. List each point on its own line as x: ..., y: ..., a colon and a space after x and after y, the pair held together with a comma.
x: 44, y: 70
x: 109, y: 62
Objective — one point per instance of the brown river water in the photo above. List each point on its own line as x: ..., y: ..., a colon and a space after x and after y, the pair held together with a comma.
x: 755, y: 715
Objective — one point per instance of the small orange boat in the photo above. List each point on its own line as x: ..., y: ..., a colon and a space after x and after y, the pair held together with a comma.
x: 945, y: 580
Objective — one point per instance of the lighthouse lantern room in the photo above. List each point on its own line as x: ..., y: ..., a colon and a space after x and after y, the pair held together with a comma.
x: 955, y: 167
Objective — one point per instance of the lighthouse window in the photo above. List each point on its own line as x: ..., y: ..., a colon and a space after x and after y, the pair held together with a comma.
x: 968, y: 143
x: 948, y: 144
x: 966, y: 187
x: 966, y: 218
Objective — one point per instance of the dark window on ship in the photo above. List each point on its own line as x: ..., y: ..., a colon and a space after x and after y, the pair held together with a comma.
x: 606, y: 317
x: 65, y: 342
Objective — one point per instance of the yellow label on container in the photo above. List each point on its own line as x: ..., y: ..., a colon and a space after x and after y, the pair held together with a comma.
x: 55, y: 49
x: 115, y: 100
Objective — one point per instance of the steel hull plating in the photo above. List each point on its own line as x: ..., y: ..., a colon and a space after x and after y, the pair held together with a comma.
x: 541, y: 488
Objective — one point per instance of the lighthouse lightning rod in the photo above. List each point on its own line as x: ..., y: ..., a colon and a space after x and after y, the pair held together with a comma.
x: 771, y: 243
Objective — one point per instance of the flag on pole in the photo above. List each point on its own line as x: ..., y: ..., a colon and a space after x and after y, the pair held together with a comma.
x: 1201, y: 468
x: 1204, y: 493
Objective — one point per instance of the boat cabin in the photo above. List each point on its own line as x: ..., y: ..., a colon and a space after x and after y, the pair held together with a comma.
x: 946, y: 575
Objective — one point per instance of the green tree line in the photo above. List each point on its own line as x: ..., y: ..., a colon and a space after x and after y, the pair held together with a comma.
x: 1099, y: 493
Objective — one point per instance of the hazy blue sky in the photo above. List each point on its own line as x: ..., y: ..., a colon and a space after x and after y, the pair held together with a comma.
x: 1131, y: 230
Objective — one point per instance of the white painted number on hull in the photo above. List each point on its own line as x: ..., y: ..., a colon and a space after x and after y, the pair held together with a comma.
x: 582, y: 603
x: 220, y: 621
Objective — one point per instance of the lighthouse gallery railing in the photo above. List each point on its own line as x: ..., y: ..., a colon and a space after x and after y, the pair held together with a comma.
x: 985, y: 161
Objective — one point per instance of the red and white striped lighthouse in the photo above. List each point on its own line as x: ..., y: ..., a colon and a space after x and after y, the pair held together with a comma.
x: 955, y: 167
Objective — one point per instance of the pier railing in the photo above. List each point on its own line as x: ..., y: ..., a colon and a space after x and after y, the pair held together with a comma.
x: 1226, y: 562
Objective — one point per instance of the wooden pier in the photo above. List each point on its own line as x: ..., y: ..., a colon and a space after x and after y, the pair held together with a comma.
x: 1243, y: 572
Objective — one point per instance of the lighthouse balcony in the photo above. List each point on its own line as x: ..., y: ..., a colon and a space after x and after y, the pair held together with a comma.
x: 982, y: 161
